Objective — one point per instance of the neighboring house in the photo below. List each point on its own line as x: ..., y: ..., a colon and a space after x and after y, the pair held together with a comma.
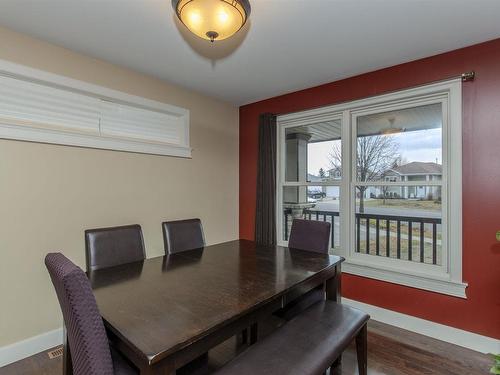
x: 414, y: 171
x: 332, y: 192
x: 335, y: 173
x: 316, y: 192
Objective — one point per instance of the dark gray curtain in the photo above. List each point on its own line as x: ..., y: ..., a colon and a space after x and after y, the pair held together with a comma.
x: 265, y: 218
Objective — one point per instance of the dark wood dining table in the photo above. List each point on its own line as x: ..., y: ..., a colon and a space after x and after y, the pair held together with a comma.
x: 163, y: 312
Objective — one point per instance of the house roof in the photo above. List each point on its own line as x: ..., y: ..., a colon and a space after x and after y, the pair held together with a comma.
x: 417, y: 167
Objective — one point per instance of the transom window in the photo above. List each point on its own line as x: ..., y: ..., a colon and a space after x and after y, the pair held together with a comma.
x: 386, y: 173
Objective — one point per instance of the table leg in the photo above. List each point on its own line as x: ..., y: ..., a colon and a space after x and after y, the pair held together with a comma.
x: 67, y: 364
x: 159, y: 369
x: 198, y: 365
x: 333, y: 284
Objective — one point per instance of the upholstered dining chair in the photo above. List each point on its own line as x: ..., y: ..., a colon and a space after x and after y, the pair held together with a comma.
x: 308, y: 235
x: 182, y: 235
x: 108, y: 247
x: 91, y: 353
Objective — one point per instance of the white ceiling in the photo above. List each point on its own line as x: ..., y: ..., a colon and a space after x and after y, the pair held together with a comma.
x: 288, y: 44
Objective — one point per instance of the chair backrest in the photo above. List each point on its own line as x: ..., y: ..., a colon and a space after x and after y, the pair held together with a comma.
x: 310, y: 235
x: 182, y: 235
x: 90, y: 352
x: 108, y: 247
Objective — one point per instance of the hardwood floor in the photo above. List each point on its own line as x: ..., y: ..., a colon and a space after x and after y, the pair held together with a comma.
x: 391, y: 351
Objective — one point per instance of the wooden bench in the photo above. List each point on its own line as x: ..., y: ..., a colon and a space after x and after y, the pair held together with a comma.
x: 308, y: 344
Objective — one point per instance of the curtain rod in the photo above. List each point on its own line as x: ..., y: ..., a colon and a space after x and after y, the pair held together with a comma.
x: 468, y: 76
x: 464, y: 77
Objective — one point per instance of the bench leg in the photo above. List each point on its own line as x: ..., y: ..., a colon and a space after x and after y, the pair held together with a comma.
x: 336, y: 367
x: 244, y: 336
x: 253, y: 333
x: 362, y: 350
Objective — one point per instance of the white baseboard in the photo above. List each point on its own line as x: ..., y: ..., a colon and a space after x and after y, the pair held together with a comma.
x: 25, y: 348
x: 438, y: 331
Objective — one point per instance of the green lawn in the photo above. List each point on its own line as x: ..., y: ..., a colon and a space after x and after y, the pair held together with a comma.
x: 415, y: 251
x: 415, y: 229
x: 404, y: 203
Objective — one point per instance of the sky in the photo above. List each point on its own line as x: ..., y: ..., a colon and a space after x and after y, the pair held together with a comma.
x: 422, y: 145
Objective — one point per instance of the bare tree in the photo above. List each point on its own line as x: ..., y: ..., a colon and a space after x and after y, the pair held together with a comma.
x: 374, y: 156
x: 385, y: 189
x: 399, y: 160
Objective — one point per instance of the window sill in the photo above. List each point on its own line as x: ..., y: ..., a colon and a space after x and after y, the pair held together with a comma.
x: 34, y: 134
x: 442, y: 286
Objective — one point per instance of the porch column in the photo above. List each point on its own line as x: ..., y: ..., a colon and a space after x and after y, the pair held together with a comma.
x: 296, y: 171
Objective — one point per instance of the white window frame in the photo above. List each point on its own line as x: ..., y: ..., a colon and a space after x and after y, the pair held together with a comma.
x: 445, y: 279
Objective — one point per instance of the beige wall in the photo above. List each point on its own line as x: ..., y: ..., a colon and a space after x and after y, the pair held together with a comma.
x: 49, y: 194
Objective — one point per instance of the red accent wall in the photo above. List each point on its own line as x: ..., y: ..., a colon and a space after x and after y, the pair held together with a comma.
x: 480, y: 312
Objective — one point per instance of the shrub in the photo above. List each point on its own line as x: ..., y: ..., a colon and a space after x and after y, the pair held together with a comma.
x: 496, y: 365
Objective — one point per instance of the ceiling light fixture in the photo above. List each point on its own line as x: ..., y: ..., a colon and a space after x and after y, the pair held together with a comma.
x: 212, y: 19
x: 391, y: 129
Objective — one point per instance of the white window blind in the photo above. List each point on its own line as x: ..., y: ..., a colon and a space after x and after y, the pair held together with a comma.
x: 123, y: 121
x: 32, y: 104
x: 50, y: 112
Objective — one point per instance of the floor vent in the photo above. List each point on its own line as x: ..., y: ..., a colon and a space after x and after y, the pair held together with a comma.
x: 58, y: 352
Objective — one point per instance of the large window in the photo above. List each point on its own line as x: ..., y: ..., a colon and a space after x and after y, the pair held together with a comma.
x: 386, y: 173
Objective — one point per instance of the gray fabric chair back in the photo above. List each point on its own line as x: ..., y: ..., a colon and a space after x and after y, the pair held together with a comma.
x: 90, y: 352
x: 108, y: 247
x: 310, y: 235
x: 182, y: 235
